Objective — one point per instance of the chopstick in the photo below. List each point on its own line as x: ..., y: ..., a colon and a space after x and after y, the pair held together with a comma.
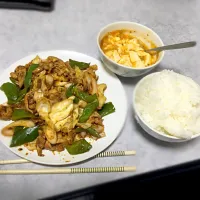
x: 70, y: 170
x: 17, y: 161
x: 103, y: 154
x: 115, y: 153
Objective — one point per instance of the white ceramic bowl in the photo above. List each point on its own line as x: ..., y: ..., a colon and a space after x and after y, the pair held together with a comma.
x: 141, y: 30
x: 146, y: 127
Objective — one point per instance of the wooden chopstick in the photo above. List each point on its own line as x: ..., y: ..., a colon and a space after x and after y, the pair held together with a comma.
x: 69, y: 170
x: 17, y: 161
x: 115, y: 153
x: 103, y: 154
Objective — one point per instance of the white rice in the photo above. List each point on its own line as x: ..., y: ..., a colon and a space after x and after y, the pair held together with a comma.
x: 170, y: 103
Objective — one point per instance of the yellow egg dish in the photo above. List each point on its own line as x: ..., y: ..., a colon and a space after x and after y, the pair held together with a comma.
x: 124, y: 48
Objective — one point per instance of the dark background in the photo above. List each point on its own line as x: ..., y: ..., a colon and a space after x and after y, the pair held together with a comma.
x: 181, y: 181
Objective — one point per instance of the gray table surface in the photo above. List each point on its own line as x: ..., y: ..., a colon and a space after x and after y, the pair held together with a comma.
x: 74, y: 25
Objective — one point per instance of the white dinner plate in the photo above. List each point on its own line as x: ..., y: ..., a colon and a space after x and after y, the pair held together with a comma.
x: 113, y: 122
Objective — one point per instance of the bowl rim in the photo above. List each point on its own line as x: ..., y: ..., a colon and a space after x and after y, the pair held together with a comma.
x: 139, y: 116
x: 133, y: 23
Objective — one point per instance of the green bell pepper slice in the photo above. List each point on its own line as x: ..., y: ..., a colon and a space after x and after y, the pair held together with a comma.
x: 24, y: 135
x: 89, y: 130
x: 11, y: 91
x: 79, y: 147
x: 107, y: 109
x: 88, y: 110
x: 21, y: 114
x: 80, y: 65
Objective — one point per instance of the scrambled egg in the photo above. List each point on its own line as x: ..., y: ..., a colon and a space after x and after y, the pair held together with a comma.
x: 124, y: 48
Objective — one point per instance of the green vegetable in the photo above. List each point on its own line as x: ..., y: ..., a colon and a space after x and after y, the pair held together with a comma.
x: 76, y: 100
x: 74, y: 91
x: 107, y: 108
x: 21, y: 114
x: 27, y: 81
x: 70, y: 92
x: 28, y: 77
x: 88, y: 110
x: 13, y: 80
x: 22, y: 93
x: 24, y: 135
x: 79, y: 147
x: 81, y: 65
x: 89, y: 130
x: 11, y: 91
x: 83, y: 95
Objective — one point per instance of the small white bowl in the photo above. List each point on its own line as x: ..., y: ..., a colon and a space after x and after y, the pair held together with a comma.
x: 140, y: 29
x: 146, y: 127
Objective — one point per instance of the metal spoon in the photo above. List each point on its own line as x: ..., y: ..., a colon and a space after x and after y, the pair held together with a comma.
x: 174, y: 46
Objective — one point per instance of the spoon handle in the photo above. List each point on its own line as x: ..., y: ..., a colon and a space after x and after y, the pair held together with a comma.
x: 174, y: 46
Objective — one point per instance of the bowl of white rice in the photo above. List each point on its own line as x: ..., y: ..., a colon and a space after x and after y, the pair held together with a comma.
x: 167, y: 106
